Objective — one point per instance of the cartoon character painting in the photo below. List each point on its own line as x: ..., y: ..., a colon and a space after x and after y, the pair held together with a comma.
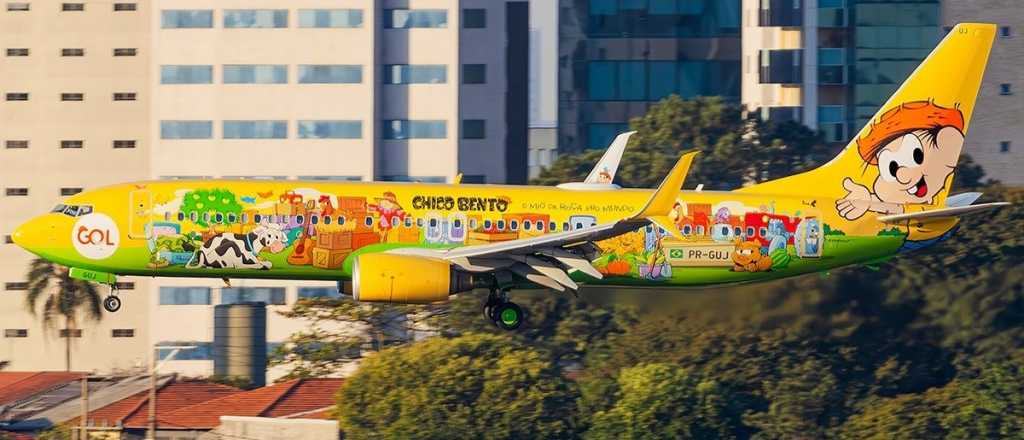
x: 777, y: 235
x: 240, y: 251
x: 391, y: 213
x: 915, y: 147
x: 747, y: 257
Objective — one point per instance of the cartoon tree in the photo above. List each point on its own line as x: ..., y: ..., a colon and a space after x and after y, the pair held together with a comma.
x: 211, y: 202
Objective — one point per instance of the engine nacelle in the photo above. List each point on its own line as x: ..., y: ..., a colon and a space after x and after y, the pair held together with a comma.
x: 405, y: 279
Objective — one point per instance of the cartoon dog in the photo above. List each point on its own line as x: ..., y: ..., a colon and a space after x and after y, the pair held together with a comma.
x: 240, y: 251
x: 747, y: 257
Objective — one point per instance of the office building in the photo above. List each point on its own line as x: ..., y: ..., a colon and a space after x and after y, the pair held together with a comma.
x: 996, y: 141
x: 101, y: 92
x: 619, y: 57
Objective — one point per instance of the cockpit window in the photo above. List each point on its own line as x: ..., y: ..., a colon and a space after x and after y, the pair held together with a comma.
x: 73, y: 210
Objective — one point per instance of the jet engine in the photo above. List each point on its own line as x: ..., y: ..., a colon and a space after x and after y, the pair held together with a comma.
x: 406, y: 279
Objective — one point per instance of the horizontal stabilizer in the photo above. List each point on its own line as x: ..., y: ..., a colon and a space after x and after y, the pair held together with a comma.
x: 942, y: 213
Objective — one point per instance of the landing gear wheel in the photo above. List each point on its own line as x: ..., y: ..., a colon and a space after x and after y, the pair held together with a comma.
x: 507, y: 315
x: 112, y: 303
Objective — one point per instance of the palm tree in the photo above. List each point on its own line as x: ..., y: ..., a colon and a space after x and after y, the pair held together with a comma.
x: 64, y: 297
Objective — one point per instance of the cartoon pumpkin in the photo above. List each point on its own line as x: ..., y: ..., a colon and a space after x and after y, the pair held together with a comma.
x: 747, y: 257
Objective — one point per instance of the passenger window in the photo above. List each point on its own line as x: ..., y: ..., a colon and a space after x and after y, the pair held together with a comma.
x: 552, y: 226
x: 341, y: 220
x: 565, y: 226
x: 487, y: 224
x: 194, y: 217
x: 514, y: 225
x: 299, y: 219
x: 579, y: 225
x: 257, y: 218
x: 687, y: 229
x: 218, y: 218
x: 763, y: 232
x: 433, y: 223
x: 167, y: 216
x: 368, y: 221
x: 394, y: 222
x: 181, y: 216
x: 501, y: 225
x: 472, y: 223
x: 419, y: 222
x: 244, y: 218
x: 327, y: 219
x: 314, y: 219
x: 457, y: 223
x: 750, y: 231
x: 408, y: 222
x: 527, y: 225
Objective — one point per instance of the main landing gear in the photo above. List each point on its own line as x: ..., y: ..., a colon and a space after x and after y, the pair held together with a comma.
x: 112, y: 302
x: 505, y: 314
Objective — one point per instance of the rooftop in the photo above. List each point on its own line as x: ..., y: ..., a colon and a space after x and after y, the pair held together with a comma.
x: 18, y: 385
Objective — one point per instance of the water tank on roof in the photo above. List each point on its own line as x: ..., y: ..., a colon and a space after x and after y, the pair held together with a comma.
x: 240, y: 341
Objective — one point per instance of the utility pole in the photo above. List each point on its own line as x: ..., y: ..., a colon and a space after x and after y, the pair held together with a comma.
x: 83, y: 433
x: 151, y: 425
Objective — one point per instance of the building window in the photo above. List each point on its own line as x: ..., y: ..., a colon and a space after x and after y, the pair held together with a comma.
x: 125, y: 52
x: 125, y: 285
x: 76, y: 97
x: 186, y: 129
x: 474, y: 73
x: 72, y: 52
x: 255, y: 74
x: 16, y: 286
x: 186, y: 18
x: 183, y: 74
x: 267, y: 295
x: 65, y: 192
x: 474, y: 18
x: 75, y: 144
x: 415, y: 18
x: 119, y: 7
x: 20, y: 7
x: 124, y: 144
x: 319, y: 292
x: 71, y: 333
x: 15, y: 333
x: 330, y: 129
x: 330, y: 18
x: 255, y: 130
x: 330, y: 74
x: 474, y: 128
x: 415, y: 74
x: 1004, y: 147
x: 8, y: 239
x: 72, y: 7
x: 184, y: 296
x: 1005, y: 89
x: 406, y: 129
x: 17, y: 96
x: 1005, y: 31
x: 600, y: 135
x: 16, y: 144
x: 122, y: 333
x: 333, y: 178
x: 17, y: 52
x: 255, y: 18
x: 16, y: 192
x: 124, y: 96
x: 203, y: 351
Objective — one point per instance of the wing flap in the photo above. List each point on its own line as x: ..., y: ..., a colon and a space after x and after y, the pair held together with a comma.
x: 943, y: 213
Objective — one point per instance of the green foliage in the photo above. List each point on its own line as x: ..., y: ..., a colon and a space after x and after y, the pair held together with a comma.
x: 59, y: 432
x: 240, y: 382
x: 210, y: 202
x: 735, y: 151
x: 828, y: 230
x: 473, y: 386
x: 663, y: 401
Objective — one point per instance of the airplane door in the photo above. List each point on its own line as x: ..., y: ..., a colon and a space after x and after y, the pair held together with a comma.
x: 140, y: 211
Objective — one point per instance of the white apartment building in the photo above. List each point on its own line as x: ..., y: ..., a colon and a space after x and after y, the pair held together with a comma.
x: 312, y: 89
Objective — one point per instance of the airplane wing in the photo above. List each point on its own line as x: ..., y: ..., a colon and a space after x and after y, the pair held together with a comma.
x: 941, y: 213
x: 548, y: 259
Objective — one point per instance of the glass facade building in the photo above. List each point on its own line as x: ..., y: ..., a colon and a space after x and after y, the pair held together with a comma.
x: 617, y: 58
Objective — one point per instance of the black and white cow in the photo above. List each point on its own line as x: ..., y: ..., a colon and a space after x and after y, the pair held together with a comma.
x: 240, y: 251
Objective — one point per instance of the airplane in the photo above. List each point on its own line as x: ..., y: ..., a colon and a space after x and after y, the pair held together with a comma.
x: 886, y: 193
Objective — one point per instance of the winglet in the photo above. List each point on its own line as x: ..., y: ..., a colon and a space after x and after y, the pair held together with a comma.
x: 458, y: 179
x: 604, y: 171
x: 660, y: 204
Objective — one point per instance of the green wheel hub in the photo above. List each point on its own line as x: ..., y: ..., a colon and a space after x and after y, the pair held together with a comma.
x: 507, y: 316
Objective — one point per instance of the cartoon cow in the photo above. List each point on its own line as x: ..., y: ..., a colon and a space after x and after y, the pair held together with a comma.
x: 240, y: 251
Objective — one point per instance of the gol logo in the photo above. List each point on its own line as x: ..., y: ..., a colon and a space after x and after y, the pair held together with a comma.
x: 95, y: 236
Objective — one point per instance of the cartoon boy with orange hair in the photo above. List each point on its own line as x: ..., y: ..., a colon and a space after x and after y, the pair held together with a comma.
x: 915, y: 147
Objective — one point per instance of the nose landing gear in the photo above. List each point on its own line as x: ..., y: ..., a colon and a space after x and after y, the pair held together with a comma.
x: 112, y: 302
x: 505, y: 314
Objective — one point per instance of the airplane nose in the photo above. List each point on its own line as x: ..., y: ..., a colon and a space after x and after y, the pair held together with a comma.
x: 32, y: 235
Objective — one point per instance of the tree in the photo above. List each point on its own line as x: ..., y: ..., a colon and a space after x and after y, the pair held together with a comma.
x: 735, y: 150
x: 207, y: 203
x: 64, y: 296
x: 663, y: 401
x: 472, y: 386
x: 341, y: 330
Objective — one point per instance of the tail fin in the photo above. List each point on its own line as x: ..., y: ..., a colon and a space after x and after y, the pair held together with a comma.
x: 907, y: 154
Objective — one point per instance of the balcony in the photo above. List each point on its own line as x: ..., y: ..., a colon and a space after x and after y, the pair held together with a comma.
x: 781, y: 13
x: 783, y: 66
